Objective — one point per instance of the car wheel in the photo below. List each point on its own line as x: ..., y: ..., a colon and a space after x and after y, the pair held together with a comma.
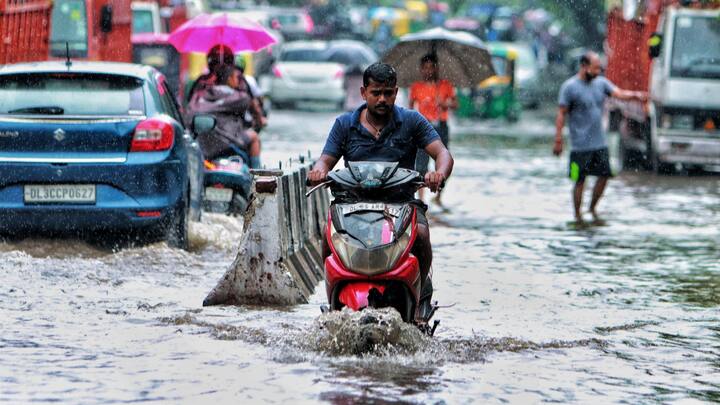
x: 178, y: 228
x: 657, y: 165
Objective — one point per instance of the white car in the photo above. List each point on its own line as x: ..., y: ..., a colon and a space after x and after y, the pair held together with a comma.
x: 315, y: 71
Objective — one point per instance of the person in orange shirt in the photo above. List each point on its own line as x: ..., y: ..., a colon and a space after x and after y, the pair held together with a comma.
x: 433, y: 98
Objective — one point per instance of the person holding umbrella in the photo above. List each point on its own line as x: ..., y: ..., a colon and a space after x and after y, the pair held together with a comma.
x: 220, y: 35
x: 447, y: 59
x: 433, y: 98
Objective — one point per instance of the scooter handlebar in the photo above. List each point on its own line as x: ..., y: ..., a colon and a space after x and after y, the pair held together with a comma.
x: 421, y: 184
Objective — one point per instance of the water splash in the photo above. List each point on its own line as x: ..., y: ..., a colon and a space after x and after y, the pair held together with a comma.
x: 216, y: 230
x: 377, y: 331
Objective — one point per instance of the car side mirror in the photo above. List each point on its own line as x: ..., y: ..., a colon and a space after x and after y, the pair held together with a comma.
x: 203, y: 123
x: 655, y: 45
x: 106, y: 18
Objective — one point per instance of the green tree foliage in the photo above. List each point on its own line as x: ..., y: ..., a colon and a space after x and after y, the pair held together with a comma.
x: 583, y: 19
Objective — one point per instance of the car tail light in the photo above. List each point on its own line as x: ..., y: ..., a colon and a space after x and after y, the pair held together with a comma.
x: 276, y: 72
x: 152, y: 135
x: 339, y: 74
x: 309, y: 24
x: 149, y: 214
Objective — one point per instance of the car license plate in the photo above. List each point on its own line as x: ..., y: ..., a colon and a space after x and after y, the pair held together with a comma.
x: 218, y: 194
x: 59, y: 193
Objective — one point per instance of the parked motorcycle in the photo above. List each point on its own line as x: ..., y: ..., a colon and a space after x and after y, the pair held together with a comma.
x: 371, y: 235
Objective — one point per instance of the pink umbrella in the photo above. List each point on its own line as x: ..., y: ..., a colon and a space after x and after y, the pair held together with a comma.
x: 207, y: 30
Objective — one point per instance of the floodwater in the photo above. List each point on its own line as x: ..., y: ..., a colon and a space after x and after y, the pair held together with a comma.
x: 625, y: 312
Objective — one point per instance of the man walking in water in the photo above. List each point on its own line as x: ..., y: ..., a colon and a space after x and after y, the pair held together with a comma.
x: 582, y: 99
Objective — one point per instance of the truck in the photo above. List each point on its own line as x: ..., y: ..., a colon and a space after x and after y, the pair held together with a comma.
x: 37, y: 30
x: 671, y: 49
x: 24, y: 30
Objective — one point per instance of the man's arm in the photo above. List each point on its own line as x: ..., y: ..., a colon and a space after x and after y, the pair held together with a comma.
x: 411, y: 98
x: 443, y: 165
x: 559, y: 124
x: 331, y: 153
x: 629, y: 95
x: 256, y: 112
x: 319, y: 172
x: 449, y: 102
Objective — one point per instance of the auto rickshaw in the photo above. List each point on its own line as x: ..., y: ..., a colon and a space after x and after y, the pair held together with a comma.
x: 418, y: 13
x: 398, y: 19
x: 494, y: 97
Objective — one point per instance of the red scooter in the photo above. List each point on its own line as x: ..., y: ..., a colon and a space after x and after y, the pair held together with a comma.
x: 371, y: 231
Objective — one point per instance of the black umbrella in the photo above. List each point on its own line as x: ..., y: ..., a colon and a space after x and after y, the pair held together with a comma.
x: 463, y: 58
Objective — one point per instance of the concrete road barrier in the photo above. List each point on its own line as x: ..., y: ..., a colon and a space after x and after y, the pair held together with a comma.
x: 279, y: 259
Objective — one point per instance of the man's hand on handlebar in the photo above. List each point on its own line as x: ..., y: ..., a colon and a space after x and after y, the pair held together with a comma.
x: 317, y: 175
x: 434, y: 181
x: 320, y: 169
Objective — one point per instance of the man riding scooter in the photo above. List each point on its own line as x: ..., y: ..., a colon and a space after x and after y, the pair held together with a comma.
x: 380, y: 131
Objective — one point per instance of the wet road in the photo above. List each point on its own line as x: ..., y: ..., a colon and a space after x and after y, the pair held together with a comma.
x: 621, y: 313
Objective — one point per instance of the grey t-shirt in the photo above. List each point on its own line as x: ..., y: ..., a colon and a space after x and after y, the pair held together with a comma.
x: 585, y: 102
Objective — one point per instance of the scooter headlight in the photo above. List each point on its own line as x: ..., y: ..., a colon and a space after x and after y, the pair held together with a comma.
x: 359, y: 259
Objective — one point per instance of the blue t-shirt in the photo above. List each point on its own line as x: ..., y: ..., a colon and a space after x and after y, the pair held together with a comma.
x: 398, y: 141
x: 585, y: 102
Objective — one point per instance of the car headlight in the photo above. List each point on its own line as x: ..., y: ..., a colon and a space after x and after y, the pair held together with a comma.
x: 359, y: 259
x: 678, y: 121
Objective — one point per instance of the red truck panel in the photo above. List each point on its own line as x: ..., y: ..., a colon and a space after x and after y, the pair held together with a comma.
x: 627, y: 41
x: 24, y: 30
x: 114, y: 46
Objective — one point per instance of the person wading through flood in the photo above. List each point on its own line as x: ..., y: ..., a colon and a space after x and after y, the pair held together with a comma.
x: 380, y: 131
x: 582, y: 99
x: 433, y: 98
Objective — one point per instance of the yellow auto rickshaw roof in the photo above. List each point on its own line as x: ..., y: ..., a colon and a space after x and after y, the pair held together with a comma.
x: 417, y: 9
x: 503, y: 51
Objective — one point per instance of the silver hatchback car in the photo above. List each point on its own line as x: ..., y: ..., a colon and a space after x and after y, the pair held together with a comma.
x: 315, y: 71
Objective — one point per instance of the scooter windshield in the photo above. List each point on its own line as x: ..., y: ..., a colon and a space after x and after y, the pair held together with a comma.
x: 372, y: 174
x: 372, y: 224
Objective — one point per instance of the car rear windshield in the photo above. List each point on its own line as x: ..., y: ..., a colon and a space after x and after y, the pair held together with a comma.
x: 304, y: 55
x: 71, y: 94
